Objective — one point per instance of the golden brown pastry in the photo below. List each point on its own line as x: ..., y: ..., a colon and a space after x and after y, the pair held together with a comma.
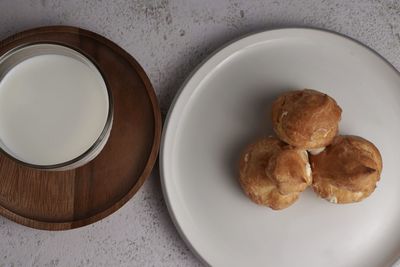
x: 273, y: 173
x: 347, y: 170
x: 306, y: 118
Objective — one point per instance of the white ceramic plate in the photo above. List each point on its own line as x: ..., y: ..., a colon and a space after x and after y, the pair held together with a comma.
x: 225, y: 104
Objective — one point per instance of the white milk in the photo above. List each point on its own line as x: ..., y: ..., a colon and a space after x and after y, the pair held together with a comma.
x: 52, y: 109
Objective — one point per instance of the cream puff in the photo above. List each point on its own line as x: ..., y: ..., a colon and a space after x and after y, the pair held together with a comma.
x: 273, y: 173
x: 306, y: 119
x: 346, y: 171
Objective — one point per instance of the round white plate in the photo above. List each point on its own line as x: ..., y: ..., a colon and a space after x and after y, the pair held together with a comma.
x: 226, y: 104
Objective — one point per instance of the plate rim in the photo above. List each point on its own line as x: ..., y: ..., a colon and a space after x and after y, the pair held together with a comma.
x: 166, y: 128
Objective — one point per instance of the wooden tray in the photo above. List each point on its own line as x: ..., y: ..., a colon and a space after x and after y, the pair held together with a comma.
x: 71, y: 199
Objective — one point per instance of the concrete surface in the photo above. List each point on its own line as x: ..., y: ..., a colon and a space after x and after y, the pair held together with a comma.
x: 169, y: 38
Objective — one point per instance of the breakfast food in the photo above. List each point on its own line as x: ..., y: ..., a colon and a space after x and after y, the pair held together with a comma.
x: 273, y: 173
x: 306, y: 119
x: 346, y: 171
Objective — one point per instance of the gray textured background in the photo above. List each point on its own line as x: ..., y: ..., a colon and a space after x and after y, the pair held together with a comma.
x: 169, y: 38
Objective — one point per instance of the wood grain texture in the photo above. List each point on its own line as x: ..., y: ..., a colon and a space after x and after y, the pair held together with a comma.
x: 70, y: 199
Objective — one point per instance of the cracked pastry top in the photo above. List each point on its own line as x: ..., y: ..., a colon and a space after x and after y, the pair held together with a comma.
x: 273, y: 173
x: 306, y: 118
x: 346, y: 171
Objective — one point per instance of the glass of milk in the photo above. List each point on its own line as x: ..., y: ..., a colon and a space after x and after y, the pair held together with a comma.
x: 56, y: 110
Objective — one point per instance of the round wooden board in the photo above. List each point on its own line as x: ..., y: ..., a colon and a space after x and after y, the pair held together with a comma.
x: 70, y: 199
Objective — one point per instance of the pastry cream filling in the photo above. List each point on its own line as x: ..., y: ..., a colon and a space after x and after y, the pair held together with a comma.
x: 308, y: 169
x: 358, y: 194
x: 316, y: 151
x: 332, y: 200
